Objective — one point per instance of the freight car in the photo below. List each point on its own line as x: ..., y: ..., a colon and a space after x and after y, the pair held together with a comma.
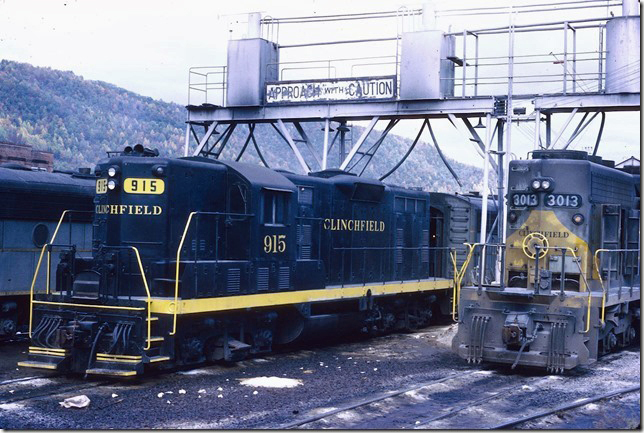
x: 32, y: 202
x: 200, y: 260
x: 572, y: 267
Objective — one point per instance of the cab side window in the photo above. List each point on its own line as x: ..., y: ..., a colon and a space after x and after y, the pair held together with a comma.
x: 275, y: 207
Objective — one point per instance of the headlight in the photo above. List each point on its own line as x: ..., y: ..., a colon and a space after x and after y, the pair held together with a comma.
x: 512, y: 216
x: 111, y: 184
x: 536, y: 184
x: 545, y: 184
x: 112, y: 171
x: 578, y: 219
x: 158, y: 170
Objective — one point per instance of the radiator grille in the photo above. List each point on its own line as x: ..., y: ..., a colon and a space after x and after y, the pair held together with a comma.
x: 400, y: 238
x: 202, y: 245
x: 284, y: 278
x: 233, y: 280
x: 425, y: 247
x: 304, y: 241
x: 262, y: 279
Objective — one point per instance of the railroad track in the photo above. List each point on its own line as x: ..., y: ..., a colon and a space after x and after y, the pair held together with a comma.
x: 522, y: 420
x: 22, y: 394
x: 369, y: 401
x: 458, y: 400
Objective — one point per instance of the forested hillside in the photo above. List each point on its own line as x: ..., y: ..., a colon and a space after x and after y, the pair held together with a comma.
x: 79, y: 120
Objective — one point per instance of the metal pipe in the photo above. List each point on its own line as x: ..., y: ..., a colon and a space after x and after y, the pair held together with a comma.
x: 440, y: 153
x: 486, y: 176
x: 537, y: 129
x: 353, y: 41
x: 503, y: 9
x: 565, y: 56
x: 601, y: 59
x: 476, y: 65
x: 404, y: 158
x: 501, y: 205
x: 574, y: 60
x: 599, y: 134
x: 519, y: 27
x: 325, y: 149
x: 579, y: 130
x: 464, y: 61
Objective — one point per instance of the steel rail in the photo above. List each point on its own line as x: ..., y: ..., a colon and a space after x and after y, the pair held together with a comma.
x: 496, y: 394
x: 373, y: 400
x: 564, y: 407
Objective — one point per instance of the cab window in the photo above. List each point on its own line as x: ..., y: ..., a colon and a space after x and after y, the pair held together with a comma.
x: 275, y: 207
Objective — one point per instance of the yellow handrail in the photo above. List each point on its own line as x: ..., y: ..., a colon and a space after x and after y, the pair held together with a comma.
x: 452, y: 255
x: 31, y: 290
x: 176, y: 282
x: 149, y: 300
x: 459, y: 274
x: 33, y: 281
x: 60, y: 221
x: 601, y: 280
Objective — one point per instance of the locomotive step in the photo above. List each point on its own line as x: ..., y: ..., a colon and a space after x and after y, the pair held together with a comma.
x: 155, y: 339
x: 158, y: 358
x: 125, y: 359
x: 38, y: 364
x: 152, y: 319
x: 110, y: 372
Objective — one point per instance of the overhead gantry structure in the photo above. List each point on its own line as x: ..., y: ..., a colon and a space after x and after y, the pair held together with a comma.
x: 579, y: 67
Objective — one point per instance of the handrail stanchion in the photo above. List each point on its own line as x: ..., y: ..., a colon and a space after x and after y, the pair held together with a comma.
x: 562, y: 276
x: 601, y: 280
x: 31, y: 290
x: 149, y: 297
x: 176, y: 282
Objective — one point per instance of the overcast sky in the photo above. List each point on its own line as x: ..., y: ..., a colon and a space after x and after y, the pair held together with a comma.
x: 148, y: 47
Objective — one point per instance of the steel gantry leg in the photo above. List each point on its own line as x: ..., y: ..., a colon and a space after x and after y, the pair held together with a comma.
x: 374, y: 148
x: 251, y: 130
x: 325, y: 147
x: 307, y: 142
x: 204, y: 140
x: 479, y: 146
x: 356, y: 146
x: 580, y: 128
x: 287, y: 137
x: 563, y: 128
